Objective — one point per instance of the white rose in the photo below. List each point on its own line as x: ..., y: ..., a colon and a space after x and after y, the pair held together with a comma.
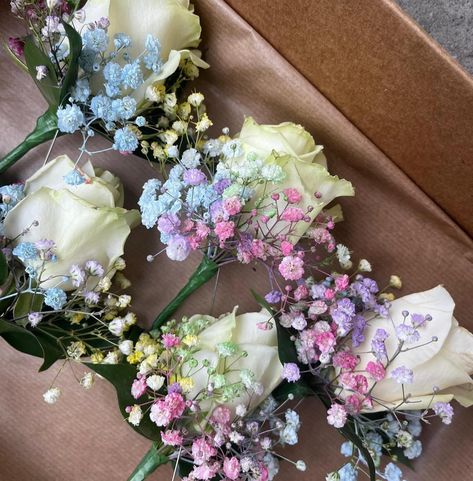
x: 83, y: 221
x: 262, y: 359
x: 172, y: 22
x: 446, y: 364
x: 101, y: 188
x: 293, y: 149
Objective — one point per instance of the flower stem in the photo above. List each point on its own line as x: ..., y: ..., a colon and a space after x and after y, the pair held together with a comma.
x: 150, y: 462
x: 204, y: 272
x: 45, y: 129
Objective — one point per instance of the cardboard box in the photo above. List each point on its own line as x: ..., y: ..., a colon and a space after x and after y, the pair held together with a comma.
x: 394, y: 113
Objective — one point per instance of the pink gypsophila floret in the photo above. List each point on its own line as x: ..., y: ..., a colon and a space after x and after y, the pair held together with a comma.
x: 202, y: 451
x: 291, y: 268
x: 292, y: 214
x: 138, y: 388
x: 293, y: 196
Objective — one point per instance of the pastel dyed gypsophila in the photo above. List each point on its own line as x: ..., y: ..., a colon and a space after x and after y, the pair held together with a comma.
x: 181, y: 399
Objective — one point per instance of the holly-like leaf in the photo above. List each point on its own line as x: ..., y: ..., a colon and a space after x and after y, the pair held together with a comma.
x: 150, y: 462
x: 122, y: 377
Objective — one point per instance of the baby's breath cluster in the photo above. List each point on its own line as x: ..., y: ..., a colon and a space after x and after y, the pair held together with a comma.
x: 206, y: 402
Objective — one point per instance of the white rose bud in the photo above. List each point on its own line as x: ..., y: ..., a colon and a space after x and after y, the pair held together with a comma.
x: 304, y: 166
x: 262, y: 355
x: 174, y: 23
x: 97, y: 224
x: 443, y: 355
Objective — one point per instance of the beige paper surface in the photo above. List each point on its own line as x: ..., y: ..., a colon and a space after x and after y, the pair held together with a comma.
x: 390, y: 222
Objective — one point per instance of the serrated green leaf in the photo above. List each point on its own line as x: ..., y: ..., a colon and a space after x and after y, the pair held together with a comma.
x: 75, y: 47
x: 122, y: 377
x: 150, y: 462
x: 49, y: 85
x: 3, y: 269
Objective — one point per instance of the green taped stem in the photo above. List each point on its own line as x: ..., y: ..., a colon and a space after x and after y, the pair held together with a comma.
x: 204, y: 272
x: 46, y: 128
x: 148, y: 465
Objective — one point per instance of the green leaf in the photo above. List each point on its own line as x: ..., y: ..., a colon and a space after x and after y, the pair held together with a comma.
x: 348, y: 432
x: 75, y: 47
x: 36, y: 343
x: 150, y: 462
x: 15, y: 59
x: 286, y: 348
x: 8, y: 288
x: 184, y: 468
x: 122, y: 377
x: 204, y: 272
x: 52, y: 350
x: 26, y: 302
x: 45, y: 129
x: 49, y: 85
x: 298, y: 389
x: 20, y: 338
x: 3, y: 269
